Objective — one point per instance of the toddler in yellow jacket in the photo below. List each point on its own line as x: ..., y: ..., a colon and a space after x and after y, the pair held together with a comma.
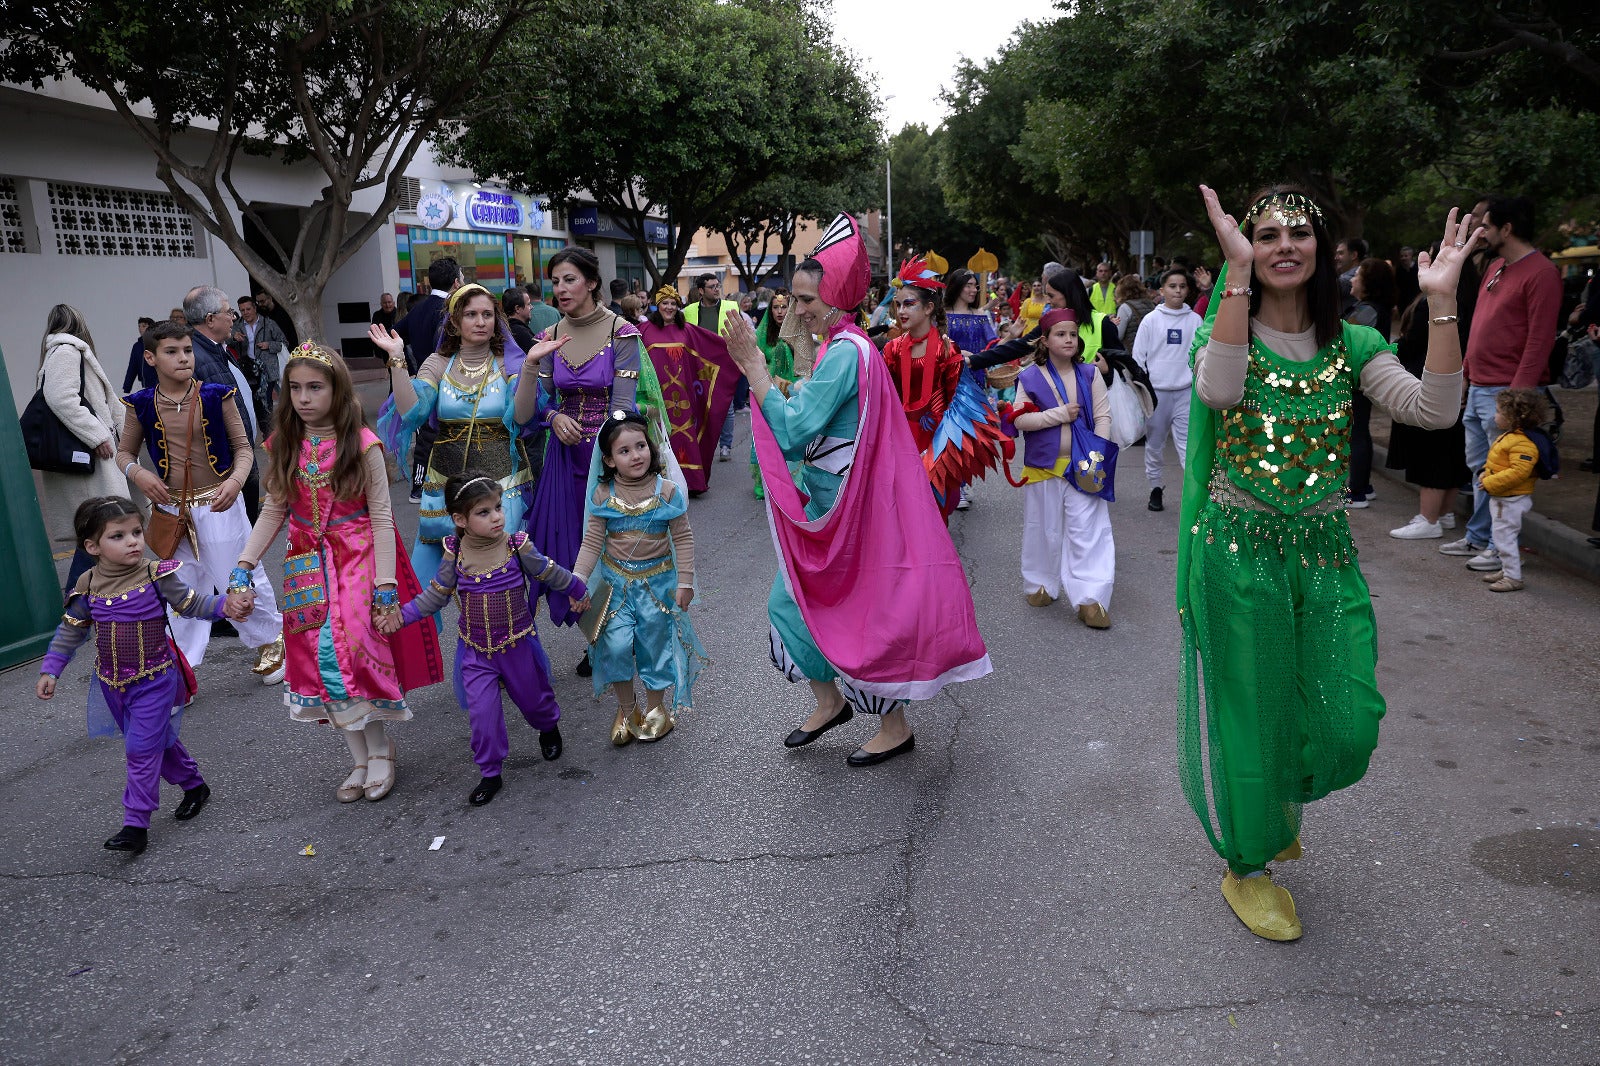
x: 1508, y: 477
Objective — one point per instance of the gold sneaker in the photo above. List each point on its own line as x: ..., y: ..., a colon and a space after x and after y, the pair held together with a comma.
x: 1040, y: 598
x: 1266, y: 909
x: 1094, y: 616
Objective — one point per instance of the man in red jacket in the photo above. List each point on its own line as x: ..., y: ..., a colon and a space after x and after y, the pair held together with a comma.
x: 1513, y: 330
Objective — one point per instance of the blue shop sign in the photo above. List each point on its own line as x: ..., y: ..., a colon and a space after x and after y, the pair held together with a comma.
x: 591, y: 222
x: 493, y: 211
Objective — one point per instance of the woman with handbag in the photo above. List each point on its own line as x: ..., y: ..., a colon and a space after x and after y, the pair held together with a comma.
x: 78, y: 394
x: 1275, y: 614
x: 1067, y: 548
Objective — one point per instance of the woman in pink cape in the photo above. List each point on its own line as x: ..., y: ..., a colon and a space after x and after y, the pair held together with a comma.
x: 870, y: 605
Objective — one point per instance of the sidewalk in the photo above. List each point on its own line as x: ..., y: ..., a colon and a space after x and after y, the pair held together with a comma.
x: 1557, y: 529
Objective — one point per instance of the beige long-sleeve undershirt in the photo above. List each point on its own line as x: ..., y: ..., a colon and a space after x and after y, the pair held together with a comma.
x: 201, y: 476
x: 634, y: 545
x: 1432, y: 402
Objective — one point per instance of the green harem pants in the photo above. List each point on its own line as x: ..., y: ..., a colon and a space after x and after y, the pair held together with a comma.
x: 1282, y: 627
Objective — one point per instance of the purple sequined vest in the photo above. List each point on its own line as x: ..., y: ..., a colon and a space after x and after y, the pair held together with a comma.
x: 495, y: 612
x: 131, y: 636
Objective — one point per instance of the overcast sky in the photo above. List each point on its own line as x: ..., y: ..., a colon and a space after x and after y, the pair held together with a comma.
x: 913, y: 49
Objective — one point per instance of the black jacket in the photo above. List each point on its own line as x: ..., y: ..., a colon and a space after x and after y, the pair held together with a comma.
x: 420, y: 329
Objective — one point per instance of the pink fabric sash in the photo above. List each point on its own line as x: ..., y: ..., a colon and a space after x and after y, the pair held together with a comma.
x: 877, y: 579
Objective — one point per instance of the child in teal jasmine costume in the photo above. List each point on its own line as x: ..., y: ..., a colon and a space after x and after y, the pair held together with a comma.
x: 637, y: 541
x: 1279, y: 700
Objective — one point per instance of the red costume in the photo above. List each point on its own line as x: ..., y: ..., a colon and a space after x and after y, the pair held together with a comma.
x: 926, y: 382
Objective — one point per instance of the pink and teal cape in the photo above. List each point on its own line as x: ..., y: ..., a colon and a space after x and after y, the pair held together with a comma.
x: 876, y: 578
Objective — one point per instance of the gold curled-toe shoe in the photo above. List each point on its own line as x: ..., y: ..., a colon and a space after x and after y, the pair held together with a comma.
x: 1040, y: 598
x: 269, y: 657
x: 1293, y: 851
x: 1094, y: 616
x: 657, y: 723
x: 1265, y: 908
x: 621, y: 730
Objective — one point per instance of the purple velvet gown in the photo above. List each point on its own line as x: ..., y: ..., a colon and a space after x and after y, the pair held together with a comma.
x: 556, y: 520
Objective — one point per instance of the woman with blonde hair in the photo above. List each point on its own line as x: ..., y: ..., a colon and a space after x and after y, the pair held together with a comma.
x: 79, y: 394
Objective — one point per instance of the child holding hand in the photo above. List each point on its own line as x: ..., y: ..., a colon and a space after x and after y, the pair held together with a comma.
x: 488, y: 572
x: 637, y: 542
x: 140, y: 672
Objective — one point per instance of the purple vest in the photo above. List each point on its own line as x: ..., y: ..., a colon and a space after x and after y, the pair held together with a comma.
x: 131, y: 634
x: 495, y: 612
x: 1042, y: 447
x: 212, y: 429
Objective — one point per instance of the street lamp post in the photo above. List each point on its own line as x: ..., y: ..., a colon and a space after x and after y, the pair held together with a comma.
x: 888, y: 218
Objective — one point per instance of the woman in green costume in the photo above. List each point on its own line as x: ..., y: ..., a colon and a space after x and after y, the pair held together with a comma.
x: 1279, y: 703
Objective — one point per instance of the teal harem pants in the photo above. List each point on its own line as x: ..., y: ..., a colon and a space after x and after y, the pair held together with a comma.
x: 1281, y: 623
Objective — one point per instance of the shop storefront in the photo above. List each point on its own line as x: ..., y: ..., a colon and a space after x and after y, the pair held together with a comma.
x: 498, y: 238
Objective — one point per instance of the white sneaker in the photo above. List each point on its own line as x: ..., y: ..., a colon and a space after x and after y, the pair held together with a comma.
x: 1486, y: 562
x: 1447, y: 520
x: 1355, y: 505
x: 1419, y: 528
x: 964, y: 502
x: 724, y: 453
x: 277, y: 676
x: 1459, y: 547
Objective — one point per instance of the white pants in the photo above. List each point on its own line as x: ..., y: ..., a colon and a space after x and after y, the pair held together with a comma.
x: 1505, y: 517
x: 1171, y: 417
x: 221, y: 536
x: 1066, y: 543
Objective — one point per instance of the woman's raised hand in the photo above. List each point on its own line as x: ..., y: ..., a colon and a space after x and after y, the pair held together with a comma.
x: 742, y: 346
x: 1439, y: 275
x: 1235, y: 245
x: 544, y: 348
x: 387, y: 339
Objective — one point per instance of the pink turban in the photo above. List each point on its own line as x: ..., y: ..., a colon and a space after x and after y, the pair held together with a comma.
x: 845, y: 271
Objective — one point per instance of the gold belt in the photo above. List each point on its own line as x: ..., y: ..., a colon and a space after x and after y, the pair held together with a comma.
x: 636, y: 575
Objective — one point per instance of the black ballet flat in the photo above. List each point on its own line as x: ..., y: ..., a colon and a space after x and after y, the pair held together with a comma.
x: 129, y: 838
x: 863, y: 757
x: 485, y: 791
x: 194, y: 801
x: 801, y: 737
x: 584, y: 669
x: 550, y: 743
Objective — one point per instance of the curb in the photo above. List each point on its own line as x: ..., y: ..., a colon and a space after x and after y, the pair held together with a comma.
x: 1551, y: 540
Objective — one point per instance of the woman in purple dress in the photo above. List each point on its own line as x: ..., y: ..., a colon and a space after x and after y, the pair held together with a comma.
x: 596, y: 371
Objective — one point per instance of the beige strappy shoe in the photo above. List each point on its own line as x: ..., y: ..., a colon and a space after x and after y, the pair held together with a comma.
x: 348, y: 792
x: 382, y: 789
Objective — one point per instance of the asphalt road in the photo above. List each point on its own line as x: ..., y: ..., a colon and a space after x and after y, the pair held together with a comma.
x: 1027, y: 887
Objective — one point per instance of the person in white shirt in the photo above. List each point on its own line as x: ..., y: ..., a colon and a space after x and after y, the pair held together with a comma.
x: 1162, y: 348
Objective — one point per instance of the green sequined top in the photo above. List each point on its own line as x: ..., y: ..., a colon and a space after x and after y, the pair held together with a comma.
x: 1287, y: 442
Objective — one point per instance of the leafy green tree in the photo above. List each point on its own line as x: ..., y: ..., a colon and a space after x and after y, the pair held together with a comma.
x: 923, y: 221
x: 702, y: 105
x: 351, y: 89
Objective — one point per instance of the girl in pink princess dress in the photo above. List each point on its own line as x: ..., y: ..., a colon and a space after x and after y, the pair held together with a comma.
x: 343, y: 571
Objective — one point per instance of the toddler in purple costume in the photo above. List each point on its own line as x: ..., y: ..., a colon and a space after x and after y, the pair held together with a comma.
x: 124, y: 597
x: 497, y: 644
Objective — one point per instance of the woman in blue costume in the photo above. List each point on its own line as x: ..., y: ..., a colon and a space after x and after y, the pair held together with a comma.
x: 472, y: 389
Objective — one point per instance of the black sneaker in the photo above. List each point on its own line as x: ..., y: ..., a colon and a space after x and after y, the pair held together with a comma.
x: 584, y: 669
x: 1155, y: 503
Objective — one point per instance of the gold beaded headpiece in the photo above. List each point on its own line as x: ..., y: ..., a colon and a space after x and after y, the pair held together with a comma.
x: 666, y: 292
x: 315, y: 352
x: 462, y: 293
x: 1285, y: 208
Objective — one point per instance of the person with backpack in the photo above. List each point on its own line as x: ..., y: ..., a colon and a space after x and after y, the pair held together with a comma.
x: 1520, y: 456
